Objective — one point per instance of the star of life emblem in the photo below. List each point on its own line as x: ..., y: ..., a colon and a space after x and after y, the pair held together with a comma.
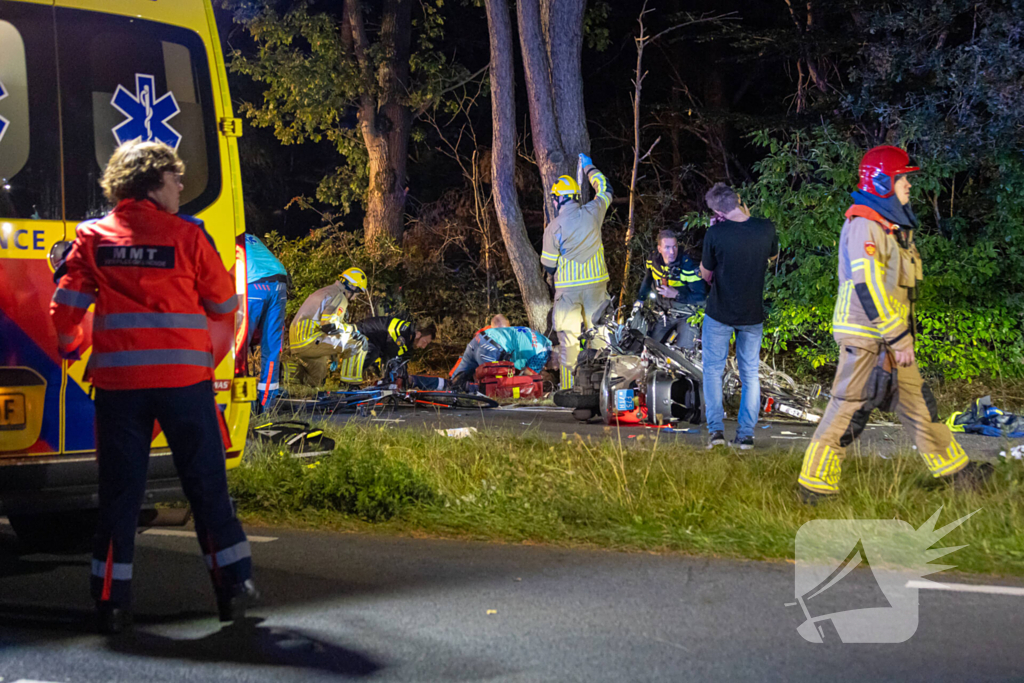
x: 147, y: 114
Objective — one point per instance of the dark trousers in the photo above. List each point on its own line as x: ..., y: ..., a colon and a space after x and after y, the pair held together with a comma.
x: 686, y: 334
x: 124, y: 429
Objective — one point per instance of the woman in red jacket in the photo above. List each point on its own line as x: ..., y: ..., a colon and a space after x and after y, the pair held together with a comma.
x: 155, y: 278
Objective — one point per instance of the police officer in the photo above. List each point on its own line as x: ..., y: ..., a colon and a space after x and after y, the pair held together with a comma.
x: 156, y: 279
x: 267, y: 298
x: 673, y: 280
x: 873, y: 323
x: 574, y: 254
x: 320, y: 329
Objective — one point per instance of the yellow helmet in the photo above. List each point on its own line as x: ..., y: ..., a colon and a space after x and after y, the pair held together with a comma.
x: 565, y: 187
x: 355, y: 277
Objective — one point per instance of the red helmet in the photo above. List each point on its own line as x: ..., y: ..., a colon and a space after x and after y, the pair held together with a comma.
x: 879, y: 168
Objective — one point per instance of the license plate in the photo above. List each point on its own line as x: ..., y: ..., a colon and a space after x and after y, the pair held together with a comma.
x: 243, y: 390
x: 624, y: 400
x: 801, y: 414
x: 12, y: 411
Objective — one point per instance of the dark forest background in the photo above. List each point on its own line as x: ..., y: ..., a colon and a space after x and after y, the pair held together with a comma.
x: 776, y: 97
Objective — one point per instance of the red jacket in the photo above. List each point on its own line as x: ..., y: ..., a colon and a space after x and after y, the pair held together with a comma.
x: 155, y: 279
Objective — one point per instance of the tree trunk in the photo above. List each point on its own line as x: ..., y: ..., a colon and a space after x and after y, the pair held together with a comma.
x: 564, y: 35
x: 385, y: 124
x: 525, y: 261
x: 547, y: 142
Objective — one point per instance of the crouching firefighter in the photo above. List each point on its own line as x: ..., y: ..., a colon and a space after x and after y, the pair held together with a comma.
x: 574, y: 254
x: 873, y: 323
x: 156, y: 279
x: 320, y: 329
x: 673, y: 280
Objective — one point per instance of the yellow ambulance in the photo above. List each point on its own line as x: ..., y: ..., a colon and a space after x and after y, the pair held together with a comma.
x: 78, y: 77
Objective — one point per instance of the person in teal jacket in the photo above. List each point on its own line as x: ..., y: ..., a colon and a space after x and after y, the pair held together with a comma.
x: 526, y: 348
x: 268, y: 294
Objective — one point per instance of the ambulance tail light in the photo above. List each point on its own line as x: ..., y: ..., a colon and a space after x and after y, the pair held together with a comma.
x: 242, y: 315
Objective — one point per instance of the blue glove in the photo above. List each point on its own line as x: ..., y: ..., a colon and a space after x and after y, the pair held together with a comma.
x: 586, y: 161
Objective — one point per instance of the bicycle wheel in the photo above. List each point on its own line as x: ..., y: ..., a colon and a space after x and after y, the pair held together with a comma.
x: 450, y: 399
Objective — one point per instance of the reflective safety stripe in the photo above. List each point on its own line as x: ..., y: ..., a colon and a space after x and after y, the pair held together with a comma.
x: 600, y: 184
x: 239, y: 551
x: 126, y: 359
x: 573, y: 274
x: 396, y: 328
x: 139, y: 321
x: 226, y: 306
x: 549, y: 256
x: 304, y: 333
x: 263, y: 385
x: 73, y: 298
x: 120, y: 571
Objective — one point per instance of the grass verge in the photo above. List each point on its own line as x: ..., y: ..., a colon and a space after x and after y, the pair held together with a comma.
x: 643, y: 495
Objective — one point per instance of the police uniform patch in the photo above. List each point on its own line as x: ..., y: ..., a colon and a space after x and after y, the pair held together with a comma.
x: 869, y: 248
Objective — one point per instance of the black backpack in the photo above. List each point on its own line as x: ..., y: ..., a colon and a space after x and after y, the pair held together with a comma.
x: 303, y: 441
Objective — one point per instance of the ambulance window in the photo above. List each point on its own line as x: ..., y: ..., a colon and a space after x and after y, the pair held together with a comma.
x: 124, y: 78
x: 29, y: 146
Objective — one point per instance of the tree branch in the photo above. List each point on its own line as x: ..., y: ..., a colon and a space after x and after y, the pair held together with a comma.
x: 433, y: 100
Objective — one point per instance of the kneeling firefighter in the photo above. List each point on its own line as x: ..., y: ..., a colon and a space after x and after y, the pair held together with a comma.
x: 320, y: 329
x: 674, y: 281
x: 574, y: 254
x: 873, y: 323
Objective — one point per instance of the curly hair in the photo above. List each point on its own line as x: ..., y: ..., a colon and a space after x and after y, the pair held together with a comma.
x: 136, y: 168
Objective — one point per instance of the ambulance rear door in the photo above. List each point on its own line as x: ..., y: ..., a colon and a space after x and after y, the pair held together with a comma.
x: 31, y: 221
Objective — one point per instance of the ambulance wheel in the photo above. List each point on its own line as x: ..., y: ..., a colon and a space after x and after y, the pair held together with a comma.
x: 56, y: 532
x: 567, y: 398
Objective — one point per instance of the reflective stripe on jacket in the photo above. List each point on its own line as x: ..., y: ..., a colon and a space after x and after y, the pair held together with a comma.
x: 389, y: 336
x: 876, y: 279
x: 324, y: 303
x: 682, y: 275
x: 155, y: 279
x: 572, y: 240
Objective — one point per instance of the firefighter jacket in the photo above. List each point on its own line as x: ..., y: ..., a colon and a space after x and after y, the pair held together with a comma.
x: 327, y: 304
x: 879, y: 268
x: 572, y: 241
x: 683, y: 275
x: 155, y: 278
x: 389, y: 337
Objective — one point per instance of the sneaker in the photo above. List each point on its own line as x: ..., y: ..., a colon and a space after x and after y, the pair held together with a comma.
x: 809, y: 497
x: 744, y: 444
x: 111, y: 619
x: 972, y: 476
x: 232, y: 607
x: 717, y: 439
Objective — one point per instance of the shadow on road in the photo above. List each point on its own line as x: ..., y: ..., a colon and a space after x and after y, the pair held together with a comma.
x: 247, y: 642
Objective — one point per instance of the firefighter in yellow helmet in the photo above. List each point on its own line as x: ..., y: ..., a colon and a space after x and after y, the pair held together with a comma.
x: 873, y: 323
x: 574, y: 254
x: 320, y: 329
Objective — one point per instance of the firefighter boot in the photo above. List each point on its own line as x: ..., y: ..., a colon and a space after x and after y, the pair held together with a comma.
x: 232, y: 604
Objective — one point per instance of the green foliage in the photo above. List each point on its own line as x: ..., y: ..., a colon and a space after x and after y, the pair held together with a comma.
x: 646, y: 494
x: 356, y: 479
x: 314, y: 85
x: 970, y: 312
x: 595, y: 25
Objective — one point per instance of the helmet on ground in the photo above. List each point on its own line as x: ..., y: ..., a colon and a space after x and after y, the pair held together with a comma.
x: 355, y: 277
x: 566, y: 187
x: 879, y: 168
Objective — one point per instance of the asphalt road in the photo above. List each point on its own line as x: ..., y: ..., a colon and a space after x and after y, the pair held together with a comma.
x: 552, y: 422
x: 341, y: 607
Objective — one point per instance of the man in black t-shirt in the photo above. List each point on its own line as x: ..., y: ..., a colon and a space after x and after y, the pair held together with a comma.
x: 737, y: 251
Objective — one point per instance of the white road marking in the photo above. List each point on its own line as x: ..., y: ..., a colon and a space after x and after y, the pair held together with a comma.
x: 191, y: 534
x: 26, y: 680
x: 967, y: 588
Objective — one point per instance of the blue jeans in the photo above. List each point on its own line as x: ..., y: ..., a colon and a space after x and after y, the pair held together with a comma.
x: 715, y: 350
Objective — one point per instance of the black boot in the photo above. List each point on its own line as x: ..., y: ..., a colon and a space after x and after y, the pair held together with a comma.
x: 112, y: 619
x: 809, y: 497
x: 233, y: 603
